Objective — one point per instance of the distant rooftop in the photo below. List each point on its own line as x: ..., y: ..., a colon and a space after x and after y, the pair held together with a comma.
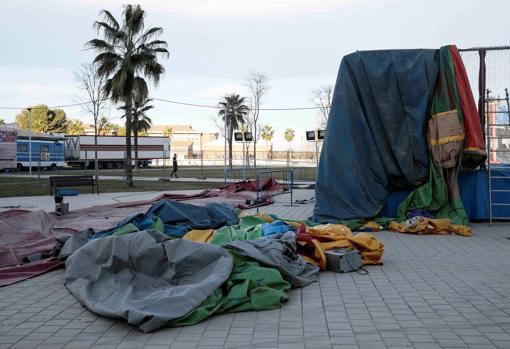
x: 175, y: 128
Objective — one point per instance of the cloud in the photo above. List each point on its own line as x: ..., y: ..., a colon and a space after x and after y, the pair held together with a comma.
x: 236, y: 8
x: 41, y: 90
x: 219, y: 91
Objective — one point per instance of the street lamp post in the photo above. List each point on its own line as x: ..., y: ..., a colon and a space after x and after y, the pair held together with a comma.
x: 316, y: 136
x: 30, y: 141
x: 201, y: 157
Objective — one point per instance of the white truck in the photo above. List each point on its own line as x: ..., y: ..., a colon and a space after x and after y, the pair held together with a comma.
x: 111, y: 151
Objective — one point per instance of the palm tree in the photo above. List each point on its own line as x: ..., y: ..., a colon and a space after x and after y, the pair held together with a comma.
x: 141, y: 123
x: 128, y: 54
x: 289, y: 136
x: 267, y: 135
x: 168, y: 132
x: 233, y: 112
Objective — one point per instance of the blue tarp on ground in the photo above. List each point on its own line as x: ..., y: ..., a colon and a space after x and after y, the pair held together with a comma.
x: 376, y: 133
x: 474, y: 192
x: 210, y: 216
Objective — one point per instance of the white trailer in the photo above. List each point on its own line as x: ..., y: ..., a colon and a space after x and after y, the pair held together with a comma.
x: 8, y: 136
x: 111, y: 151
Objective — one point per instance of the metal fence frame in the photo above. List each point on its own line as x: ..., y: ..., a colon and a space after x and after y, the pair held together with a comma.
x: 270, y: 174
x: 485, y: 113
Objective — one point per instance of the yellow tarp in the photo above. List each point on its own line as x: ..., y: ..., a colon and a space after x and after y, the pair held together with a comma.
x: 203, y: 236
x: 340, y: 236
x: 423, y: 225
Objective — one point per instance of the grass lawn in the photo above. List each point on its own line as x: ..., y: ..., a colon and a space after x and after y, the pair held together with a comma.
x: 19, y: 186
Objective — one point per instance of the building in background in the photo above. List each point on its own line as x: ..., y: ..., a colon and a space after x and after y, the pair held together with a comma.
x: 187, y: 142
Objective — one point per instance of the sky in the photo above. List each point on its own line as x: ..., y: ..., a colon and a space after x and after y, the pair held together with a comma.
x: 215, y: 44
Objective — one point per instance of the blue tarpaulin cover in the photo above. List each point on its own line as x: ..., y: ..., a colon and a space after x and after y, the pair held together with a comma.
x: 474, y: 193
x: 376, y: 133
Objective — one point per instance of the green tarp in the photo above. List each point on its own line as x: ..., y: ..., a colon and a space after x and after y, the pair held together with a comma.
x: 249, y: 287
x: 435, y: 194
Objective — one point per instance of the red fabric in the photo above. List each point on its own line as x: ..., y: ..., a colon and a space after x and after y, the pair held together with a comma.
x: 11, y: 275
x: 12, y: 213
x: 24, y: 233
x: 267, y: 185
x: 473, y: 128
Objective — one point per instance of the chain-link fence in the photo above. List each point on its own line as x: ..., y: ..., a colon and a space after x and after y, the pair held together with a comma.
x: 488, y: 70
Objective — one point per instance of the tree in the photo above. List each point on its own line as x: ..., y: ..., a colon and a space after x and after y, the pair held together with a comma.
x: 233, y: 112
x: 75, y: 127
x: 128, y: 55
x: 2, y: 121
x: 141, y: 122
x: 93, y: 97
x: 43, y: 119
x: 102, y: 125
x: 289, y: 136
x: 267, y: 135
x: 168, y: 132
x: 106, y: 128
x: 321, y: 98
x: 258, y: 86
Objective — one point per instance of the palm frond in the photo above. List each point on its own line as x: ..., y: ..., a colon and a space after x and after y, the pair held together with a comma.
x: 110, y: 19
x: 156, y: 44
x: 100, y: 45
x: 140, y: 89
x: 134, y: 18
x: 153, y: 70
x: 107, y: 63
x: 110, y: 33
x: 149, y: 34
x: 146, y: 108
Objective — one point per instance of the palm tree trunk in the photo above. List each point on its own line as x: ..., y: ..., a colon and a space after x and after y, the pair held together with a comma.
x: 129, y: 170
x: 96, y: 162
x: 267, y: 152
x: 135, y: 132
x: 231, y: 132
x: 247, y: 155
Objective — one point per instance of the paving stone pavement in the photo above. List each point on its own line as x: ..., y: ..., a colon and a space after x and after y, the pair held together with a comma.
x: 431, y: 292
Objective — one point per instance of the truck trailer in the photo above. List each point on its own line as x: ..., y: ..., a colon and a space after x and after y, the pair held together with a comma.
x: 111, y: 151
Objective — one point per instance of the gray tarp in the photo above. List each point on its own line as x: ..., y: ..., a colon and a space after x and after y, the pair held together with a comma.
x: 74, y: 242
x: 279, y: 251
x: 144, y: 277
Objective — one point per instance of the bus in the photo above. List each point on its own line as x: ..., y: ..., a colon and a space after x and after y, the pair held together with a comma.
x: 47, y: 150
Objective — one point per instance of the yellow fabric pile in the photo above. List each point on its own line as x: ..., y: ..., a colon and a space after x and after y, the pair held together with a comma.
x: 332, y: 236
x: 424, y: 225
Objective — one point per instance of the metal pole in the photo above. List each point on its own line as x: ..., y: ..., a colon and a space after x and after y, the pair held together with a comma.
x: 39, y: 166
x: 30, y: 141
x: 317, y: 148
x: 507, y: 104
x: 201, y: 155
x: 244, y: 158
x: 488, y: 138
x: 225, y: 148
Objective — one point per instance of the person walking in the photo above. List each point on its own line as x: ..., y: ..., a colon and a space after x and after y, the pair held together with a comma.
x: 174, y: 165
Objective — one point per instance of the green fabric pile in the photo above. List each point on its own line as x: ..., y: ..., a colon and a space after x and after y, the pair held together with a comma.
x: 250, y: 287
x: 437, y: 195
